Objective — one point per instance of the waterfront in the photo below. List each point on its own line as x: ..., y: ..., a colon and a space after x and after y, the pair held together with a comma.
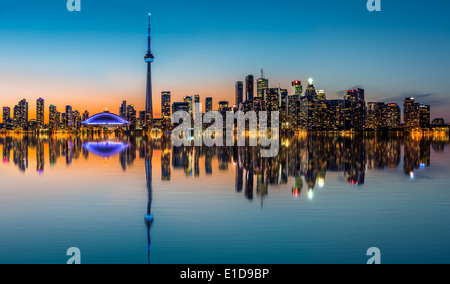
x: 323, y: 199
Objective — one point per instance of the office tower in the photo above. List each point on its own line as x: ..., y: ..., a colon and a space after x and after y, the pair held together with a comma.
x: 336, y: 114
x: 6, y: 115
x: 307, y: 114
x: 57, y: 120
x: 322, y: 119
x: 188, y: 100
x: 63, y: 121
x: 69, y: 118
x: 291, y: 113
x: 261, y: 84
x: 355, y: 109
x: 239, y: 89
x: 165, y: 110
x: 272, y: 99
x: 123, y: 110
x: 411, y: 114
x: 209, y: 104
x: 131, y: 117
x: 376, y: 115
x: 321, y: 96
x: 424, y: 116
x: 249, y: 88
x: 40, y: 113
x: 85, y: 115
x: 20, y: 120
x: 393, y: 116
x: 297, y: 89
x: 310, y: 90
x: 196, y: 99
x: 76, y: 120
x: 141, y: 118
x: 283, y: 94
x: 149, y: 58
x: 223, y: 104
x: 53, y: 124
x: 177, y: 106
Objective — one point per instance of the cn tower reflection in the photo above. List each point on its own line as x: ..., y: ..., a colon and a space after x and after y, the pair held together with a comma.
x: 148, y: 171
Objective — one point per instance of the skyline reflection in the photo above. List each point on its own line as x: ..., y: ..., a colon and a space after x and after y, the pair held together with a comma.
x: 305, y: 158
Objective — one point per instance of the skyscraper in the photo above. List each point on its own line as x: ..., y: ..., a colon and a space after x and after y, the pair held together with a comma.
x: 261, y: 84
x: 52, y: 114
x: 6, y: 115
x: 297, y: 89
x: 411, y: 113
x: 355, y: 109
x: 239, y: 93
x: 376, y: 115
x: 69, y: 118
x: 249, y: 88
x: 40, y: 113
x: 123, y: 110
x: 310, y: 90
x: 21, y: 115
x: 188, y: 100
x: 165, y: 110
x: 149, y: 58
x: 424, y: 116
x: 209, y: 104
x: 393, y: 116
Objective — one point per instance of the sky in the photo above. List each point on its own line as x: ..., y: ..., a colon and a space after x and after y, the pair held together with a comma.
x: 94, y: 59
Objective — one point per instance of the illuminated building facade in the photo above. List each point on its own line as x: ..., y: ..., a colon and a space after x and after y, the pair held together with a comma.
x: 424, y: 116
x: 249, y: 88
x: 165, y: 110
x: 209, y: 104
x: 52, y: 118
x: 297, y: 89
x: 40, y: 113
x: 393, y: 116
x: 239, y: 89
x: 411, y: 114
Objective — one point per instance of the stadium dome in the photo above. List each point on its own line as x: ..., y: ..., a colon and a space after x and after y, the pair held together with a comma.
x: 105, y: 119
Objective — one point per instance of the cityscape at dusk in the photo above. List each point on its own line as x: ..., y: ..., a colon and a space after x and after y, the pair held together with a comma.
x: 247, y: 133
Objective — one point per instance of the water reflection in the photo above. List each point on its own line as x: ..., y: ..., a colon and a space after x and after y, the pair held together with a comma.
x: 304, y: 160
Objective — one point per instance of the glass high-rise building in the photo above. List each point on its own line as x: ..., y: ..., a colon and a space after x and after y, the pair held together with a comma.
x: 177, y: 106
x: 376, y: 115
x: 209, y: 104
x: 261, y: 85
x: 239, y: 90
x: 425, y: 116
x: 69, y: 118
x: 393, y: 115
x: 297, y: 89
x: 411, y: 113
x: 52, y: 115
x: 223, y: 105
x: 249, y: 88
x: 6, y: 115
x: 123, y: 110
x: 165, y: 110
x: 355, y: 109
x: 40, y: 113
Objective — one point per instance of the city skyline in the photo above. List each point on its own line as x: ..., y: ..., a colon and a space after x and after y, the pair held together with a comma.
x: 209, y: 43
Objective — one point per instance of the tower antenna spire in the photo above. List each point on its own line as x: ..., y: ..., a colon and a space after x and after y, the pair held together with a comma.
x: 149, y: 58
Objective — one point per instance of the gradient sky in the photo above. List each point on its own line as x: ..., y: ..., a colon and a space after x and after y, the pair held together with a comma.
x: 94, y: 59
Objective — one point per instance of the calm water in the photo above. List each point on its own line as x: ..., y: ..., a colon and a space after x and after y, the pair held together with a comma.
x: 324, y: 199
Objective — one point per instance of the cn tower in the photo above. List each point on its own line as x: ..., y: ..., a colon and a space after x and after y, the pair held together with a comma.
x: 149, y: 58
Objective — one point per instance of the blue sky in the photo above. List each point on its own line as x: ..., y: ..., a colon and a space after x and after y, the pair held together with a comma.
x: 203, y: 47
